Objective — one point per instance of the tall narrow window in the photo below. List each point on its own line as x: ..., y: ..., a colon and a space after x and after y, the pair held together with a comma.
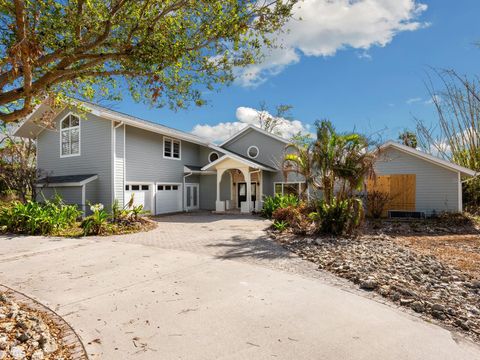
x: 70, y: 136
x: 171, y: 148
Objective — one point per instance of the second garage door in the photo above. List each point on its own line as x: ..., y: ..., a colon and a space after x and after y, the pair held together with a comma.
x: 168, y: 198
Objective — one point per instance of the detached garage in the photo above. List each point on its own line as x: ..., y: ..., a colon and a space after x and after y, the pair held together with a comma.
x: 418, y: 182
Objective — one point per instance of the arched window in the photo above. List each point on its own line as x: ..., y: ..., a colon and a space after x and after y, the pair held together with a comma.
x: 212, y: 156
x: 70, y: 136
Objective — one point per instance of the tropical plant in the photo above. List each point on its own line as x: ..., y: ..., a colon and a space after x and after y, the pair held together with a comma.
x: 97, y: 223
x: 408, y: 138
x: 272, y: 203
x: 299, y: 160
x: 297, y: 217
x: 36, y: 218
x: 165, y: 52
x: 280, y: 225
x: 339, y: 217
x: 342, y: 160
x: 137, y: 211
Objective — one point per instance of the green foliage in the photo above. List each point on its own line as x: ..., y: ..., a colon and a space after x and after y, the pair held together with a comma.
x: 97, y: 223
x: 272, y: 203
x: 280, y: 225
x: 167, y: 51
x: 339, y: 217
x: 38, y: 219
x: 408, y: 138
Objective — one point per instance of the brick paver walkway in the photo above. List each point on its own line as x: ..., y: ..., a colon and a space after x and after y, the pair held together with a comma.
x: 233, y: 237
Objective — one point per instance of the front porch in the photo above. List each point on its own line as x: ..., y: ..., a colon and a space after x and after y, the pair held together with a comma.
x: 239, y: 185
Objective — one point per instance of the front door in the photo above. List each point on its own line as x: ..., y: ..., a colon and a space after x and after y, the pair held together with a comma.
x: 242, y: 192
x: 191, y: 197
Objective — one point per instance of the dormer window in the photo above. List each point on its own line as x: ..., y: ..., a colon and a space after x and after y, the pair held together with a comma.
x: 70, y: 136
x: 171, y: 148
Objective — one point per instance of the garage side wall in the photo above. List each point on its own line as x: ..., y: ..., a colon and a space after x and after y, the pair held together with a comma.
x: 436, y: 187
x: 71, y: 195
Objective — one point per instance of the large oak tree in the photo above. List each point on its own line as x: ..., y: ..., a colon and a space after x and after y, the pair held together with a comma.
x: 164, y: 51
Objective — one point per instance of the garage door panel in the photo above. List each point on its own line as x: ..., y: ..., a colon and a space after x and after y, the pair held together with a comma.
x: 142, y: 195
x: 168, y: 198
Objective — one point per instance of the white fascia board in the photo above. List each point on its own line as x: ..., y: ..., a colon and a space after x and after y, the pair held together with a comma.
x: 430, y: 158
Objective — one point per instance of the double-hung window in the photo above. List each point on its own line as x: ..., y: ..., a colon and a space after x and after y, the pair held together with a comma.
x: 70, y: 136
x: 171, y: 148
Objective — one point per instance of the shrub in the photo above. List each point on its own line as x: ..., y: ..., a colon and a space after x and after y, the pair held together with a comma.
x: 97, y: 223
x: 296, y: 217
x: 273, y: 203
x: 38, y: 219
x: 377, y: 202
x: 280, y: 225
x: 340, y: 217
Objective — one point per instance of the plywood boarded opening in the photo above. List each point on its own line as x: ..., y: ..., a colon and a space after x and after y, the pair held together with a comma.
x: 401, y: 189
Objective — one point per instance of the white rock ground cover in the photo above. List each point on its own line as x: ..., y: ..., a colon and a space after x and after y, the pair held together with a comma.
x: 28, y: 334
x: 431, y: 288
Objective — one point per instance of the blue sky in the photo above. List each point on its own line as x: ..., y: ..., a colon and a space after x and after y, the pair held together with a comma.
x: 370, y: 84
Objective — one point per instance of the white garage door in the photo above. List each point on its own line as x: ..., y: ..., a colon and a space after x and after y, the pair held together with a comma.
x: 142, y: 195
x: 168, y: 198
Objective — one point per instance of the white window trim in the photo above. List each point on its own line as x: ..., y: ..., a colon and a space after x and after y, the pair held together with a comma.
x: 79, y: 135
x: 172, y: 140
x: 283, y: 183
x: 253, y: 147
x: 213, y: 152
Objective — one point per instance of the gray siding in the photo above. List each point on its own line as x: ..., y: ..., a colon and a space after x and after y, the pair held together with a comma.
x: 145, y: 161
x: 436, y: 187
x: 119, y: 164
x: 95, y: 157
x: 270, y: 150
x: 71, y: 195
x: 208, y: 191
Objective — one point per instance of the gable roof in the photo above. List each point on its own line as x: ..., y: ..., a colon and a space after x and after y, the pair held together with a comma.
x: 28, y: 128
x: 430, y: 158
x: 255, y: 128
x: 248, y: 162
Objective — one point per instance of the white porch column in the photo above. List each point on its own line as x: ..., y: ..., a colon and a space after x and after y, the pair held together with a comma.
x: 260, y: 191
x: 219, y: 205
x: 246, y: 174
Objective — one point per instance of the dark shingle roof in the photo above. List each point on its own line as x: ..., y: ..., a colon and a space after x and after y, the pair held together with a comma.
x: 65, y: 179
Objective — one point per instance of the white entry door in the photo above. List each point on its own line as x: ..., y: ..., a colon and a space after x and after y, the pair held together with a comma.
x: 192, y: 198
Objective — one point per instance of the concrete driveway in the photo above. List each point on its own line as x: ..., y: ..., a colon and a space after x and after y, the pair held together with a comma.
x: 211, y: 287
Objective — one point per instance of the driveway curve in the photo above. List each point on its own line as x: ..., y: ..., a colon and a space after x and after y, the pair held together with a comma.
x: 204, y: 286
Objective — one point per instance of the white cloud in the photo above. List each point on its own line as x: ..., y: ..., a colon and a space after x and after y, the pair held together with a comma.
x: 413, y: 100
x: 322, y: 27
x: 247, y: 116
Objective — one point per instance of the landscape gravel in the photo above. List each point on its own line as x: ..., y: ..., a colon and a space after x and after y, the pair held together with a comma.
x: 420, y: 282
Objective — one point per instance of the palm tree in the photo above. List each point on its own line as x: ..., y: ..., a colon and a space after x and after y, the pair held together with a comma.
x: 298, y: 159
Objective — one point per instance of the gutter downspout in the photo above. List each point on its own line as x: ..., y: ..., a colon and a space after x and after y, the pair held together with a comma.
x: 184, y: 191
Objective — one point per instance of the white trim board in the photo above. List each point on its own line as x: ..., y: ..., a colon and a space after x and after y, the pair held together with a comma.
x: 430, y: 158
x: 256, y: 128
